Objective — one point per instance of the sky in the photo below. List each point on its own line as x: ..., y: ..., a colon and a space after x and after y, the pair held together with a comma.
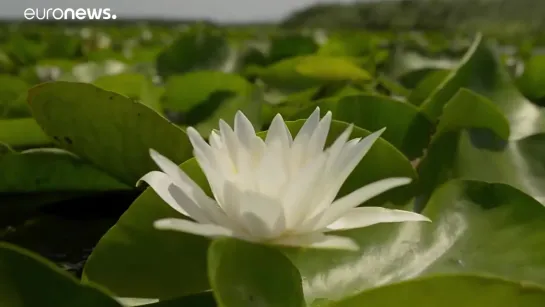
x: 217, y: 10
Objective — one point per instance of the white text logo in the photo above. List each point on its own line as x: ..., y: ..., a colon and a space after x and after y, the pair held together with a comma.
x: 69, y: 14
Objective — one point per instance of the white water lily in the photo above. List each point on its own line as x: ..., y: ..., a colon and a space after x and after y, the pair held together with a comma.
x: 280, y: 190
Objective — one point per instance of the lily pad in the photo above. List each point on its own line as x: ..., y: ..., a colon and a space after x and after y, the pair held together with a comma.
x: 135, y: 86
x: 303, y: 72
x: 23, y: 133
x: 450, y: 291
x: 237, y: 275
x: 406, y: 127
x: 185, y: 92
x: 110, y: 130
x: 476, y: 228
x: 28, y: 280
x: 49, y: 170
x: 12, y: 94
x: 472, y: 142
x: 197, y: 48
x: 287, y: 46
x: 532, y: 80
x: 482, y: 72
x: 426, y: 86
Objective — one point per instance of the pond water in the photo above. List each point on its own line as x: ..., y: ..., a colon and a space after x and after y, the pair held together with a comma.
x: 66, y: 232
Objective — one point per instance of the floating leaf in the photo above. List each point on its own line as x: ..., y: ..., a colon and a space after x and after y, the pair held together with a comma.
x: 197, y: 48
x: 482, y: 72
x: 476, y: 228
x: 472, y: 143
x: 406, y: 128
x: 185, y: 92
x: 109, y: 130
x: 532, y: 80
x: 450, y: 291
x: 12, y: 97
x: 28, y: 280
x: 49, y: 170
x: 237, y: 272
x: 287, y: 46
x: 135, y: 86
x: 303, y: 72
x: 22, y: 133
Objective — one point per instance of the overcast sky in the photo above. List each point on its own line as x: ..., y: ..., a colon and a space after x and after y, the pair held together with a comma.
x: 219, y: 10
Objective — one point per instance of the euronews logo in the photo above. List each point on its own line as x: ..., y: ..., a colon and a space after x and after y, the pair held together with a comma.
x: 69, y: 14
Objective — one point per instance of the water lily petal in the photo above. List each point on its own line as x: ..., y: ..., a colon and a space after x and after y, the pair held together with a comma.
x: 272, y: 173
x: 340, y: 166
x: 367, y: 216
x: 297, y: 199
x: 323, y: 200
x: 231, y: 142
x: 336, y: 148
x: 190, y: 188
x: 342, y: 205
x: 352, y: 154
x: 308, y: 127
x: 161, y: 183
x: 244, y: 130
x: 300, y: 144
x: 278, y: 131
x: 181, y: 179
x: 215, y: 140
x: 199, y: 144
x: 199, y: 214
x: 263, y: 215
x: 319, y: 136
x: 319, y: 240
x: 207, y: 230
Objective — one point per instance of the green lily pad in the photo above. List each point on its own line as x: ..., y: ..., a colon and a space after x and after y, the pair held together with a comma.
x: 349, y: 44
x: 62, y: 45
x: 5, y: 149
x: 476, y: 228
x: 331, y: 69
x: 287, y: 46
x: 201, y: 99
x: 185, y: 92
x: 450, y: 291
x: 49, y: 170
x: 472, y: 142
x: 303, y: 72
x: 392, y: 87
x: 135, y: 86
x: 412, y: 78
x: 406, y: 127
x: 197, y: 48
x: 482, y: 72
x: 28, y: 280
x: 407, y: 62
x: 111, y: 131
x: 239, y: 278
x: 531, y: 81
x: 426, y: 86
x: 179, y: 259
x: 249, y: 104
x: 22, y: 133
x: 12, y: 94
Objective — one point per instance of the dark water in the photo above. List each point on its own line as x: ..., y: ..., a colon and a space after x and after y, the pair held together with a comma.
x: 66, y: 232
